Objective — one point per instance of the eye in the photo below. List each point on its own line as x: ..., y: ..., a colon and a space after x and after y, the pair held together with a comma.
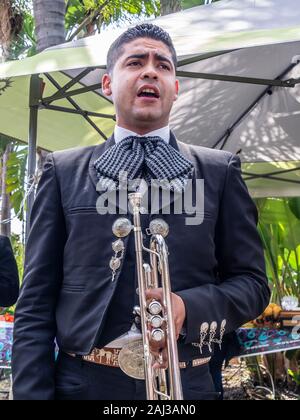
x: 134, y: 63
x: 164, y: 66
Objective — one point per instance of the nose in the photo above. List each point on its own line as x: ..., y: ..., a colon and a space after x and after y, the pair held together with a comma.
x: 149, y: 72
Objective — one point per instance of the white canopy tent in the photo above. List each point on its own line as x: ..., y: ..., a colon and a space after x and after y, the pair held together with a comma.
x: 239, y: 73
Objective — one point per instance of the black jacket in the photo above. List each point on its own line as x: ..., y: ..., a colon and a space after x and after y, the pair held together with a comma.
x: 217, y: 267
x: 9, y: 277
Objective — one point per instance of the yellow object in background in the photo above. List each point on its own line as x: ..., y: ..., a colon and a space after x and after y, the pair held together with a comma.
x: 268, y: 317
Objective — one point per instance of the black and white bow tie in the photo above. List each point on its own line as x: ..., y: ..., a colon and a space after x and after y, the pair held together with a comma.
x: 150, y: 158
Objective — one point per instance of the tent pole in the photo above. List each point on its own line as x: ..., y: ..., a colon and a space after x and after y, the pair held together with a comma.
x: 266, y: 91
x: 34, y: 98
x: 76, y: 106
x: 290, y: 83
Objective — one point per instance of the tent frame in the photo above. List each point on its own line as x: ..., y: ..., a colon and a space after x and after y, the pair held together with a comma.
x: 37, y: 103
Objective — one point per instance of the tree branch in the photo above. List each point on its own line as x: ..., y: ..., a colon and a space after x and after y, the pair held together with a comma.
x: 88, y: 20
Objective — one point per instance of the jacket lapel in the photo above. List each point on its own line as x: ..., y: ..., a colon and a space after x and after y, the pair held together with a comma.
x: 98, y: 151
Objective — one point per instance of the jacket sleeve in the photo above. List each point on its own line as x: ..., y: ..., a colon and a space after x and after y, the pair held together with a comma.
x: 33, y: 360
x: 241, y: 292
x: 9, y: 277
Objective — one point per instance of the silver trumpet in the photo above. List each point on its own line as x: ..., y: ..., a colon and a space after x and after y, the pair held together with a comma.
x: 156, y: 318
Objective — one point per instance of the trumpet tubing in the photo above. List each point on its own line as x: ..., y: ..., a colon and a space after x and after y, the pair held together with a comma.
x: 156, y: 315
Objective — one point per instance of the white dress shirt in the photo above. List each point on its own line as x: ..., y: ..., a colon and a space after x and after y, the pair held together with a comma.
x: 120, y: 134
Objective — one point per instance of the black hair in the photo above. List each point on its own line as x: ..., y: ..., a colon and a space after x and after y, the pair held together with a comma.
x: 145, y: 30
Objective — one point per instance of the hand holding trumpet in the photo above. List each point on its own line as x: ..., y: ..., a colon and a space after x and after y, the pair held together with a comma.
x: 158, y: 348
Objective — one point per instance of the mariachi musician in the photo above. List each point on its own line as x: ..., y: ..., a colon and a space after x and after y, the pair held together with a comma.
x: 80, y: 288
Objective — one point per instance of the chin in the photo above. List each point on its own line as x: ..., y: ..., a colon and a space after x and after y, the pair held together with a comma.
x: 148, y: 117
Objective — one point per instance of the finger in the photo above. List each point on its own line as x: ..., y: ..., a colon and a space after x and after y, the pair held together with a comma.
x: 154, y: 294
x: 156, y: 346
x: 160, y: 364
x: 161, y: 361
x: 161, y: 353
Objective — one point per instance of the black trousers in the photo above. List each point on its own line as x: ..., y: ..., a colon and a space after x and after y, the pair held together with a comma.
x: 80, y: 380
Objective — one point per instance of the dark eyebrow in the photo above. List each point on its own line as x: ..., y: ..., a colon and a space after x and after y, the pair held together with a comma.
x: 158, y: 57
x: 163, y: 58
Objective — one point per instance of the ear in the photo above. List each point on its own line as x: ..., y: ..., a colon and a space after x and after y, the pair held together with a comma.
x: 176, y: 90
x: 106, y: 85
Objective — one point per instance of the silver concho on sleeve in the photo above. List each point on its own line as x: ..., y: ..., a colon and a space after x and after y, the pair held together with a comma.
x: 207, y: 335
x: 115, y: 262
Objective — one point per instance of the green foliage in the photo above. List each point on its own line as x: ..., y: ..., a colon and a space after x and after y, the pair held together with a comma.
x: 24, y: 45
x: 16, y: 169
x: 19, y: 253
x: 3, y: 143
x: 294, y: 204
x: 187, y: 4
x: 15, y: 181
x: 15, y: 174
x: 22, y: 4
x: 101, y: 13
x: 82, y: 13
x: 23, y: 40
x: 295, y: 375
x: 279, y: 227
x: 75, y: 13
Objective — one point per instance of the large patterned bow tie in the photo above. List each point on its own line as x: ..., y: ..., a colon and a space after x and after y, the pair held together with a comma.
x: 150, y: 158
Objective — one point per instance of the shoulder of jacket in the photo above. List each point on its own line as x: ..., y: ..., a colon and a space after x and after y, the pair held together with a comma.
x: 72, y: 154
x: 206, y: 154
x: 75, y: 156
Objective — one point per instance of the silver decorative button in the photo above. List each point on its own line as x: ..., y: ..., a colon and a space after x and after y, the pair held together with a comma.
x: 115, y: 263
x: 118, y: 245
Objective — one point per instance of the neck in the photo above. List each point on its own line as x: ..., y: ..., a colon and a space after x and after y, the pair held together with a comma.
x: 141, y: 130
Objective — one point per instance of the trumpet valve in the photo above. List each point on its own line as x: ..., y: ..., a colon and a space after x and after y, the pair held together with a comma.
x: 156, y: 321
x: 157, y: 334
x: 155, y: 307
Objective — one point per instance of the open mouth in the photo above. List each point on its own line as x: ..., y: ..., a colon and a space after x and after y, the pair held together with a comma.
x: 148, y: 93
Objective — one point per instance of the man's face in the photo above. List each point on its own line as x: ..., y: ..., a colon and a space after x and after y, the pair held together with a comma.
x: 143, y: 85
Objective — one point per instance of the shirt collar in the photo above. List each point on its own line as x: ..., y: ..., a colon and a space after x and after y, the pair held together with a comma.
x: 121, y: 133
